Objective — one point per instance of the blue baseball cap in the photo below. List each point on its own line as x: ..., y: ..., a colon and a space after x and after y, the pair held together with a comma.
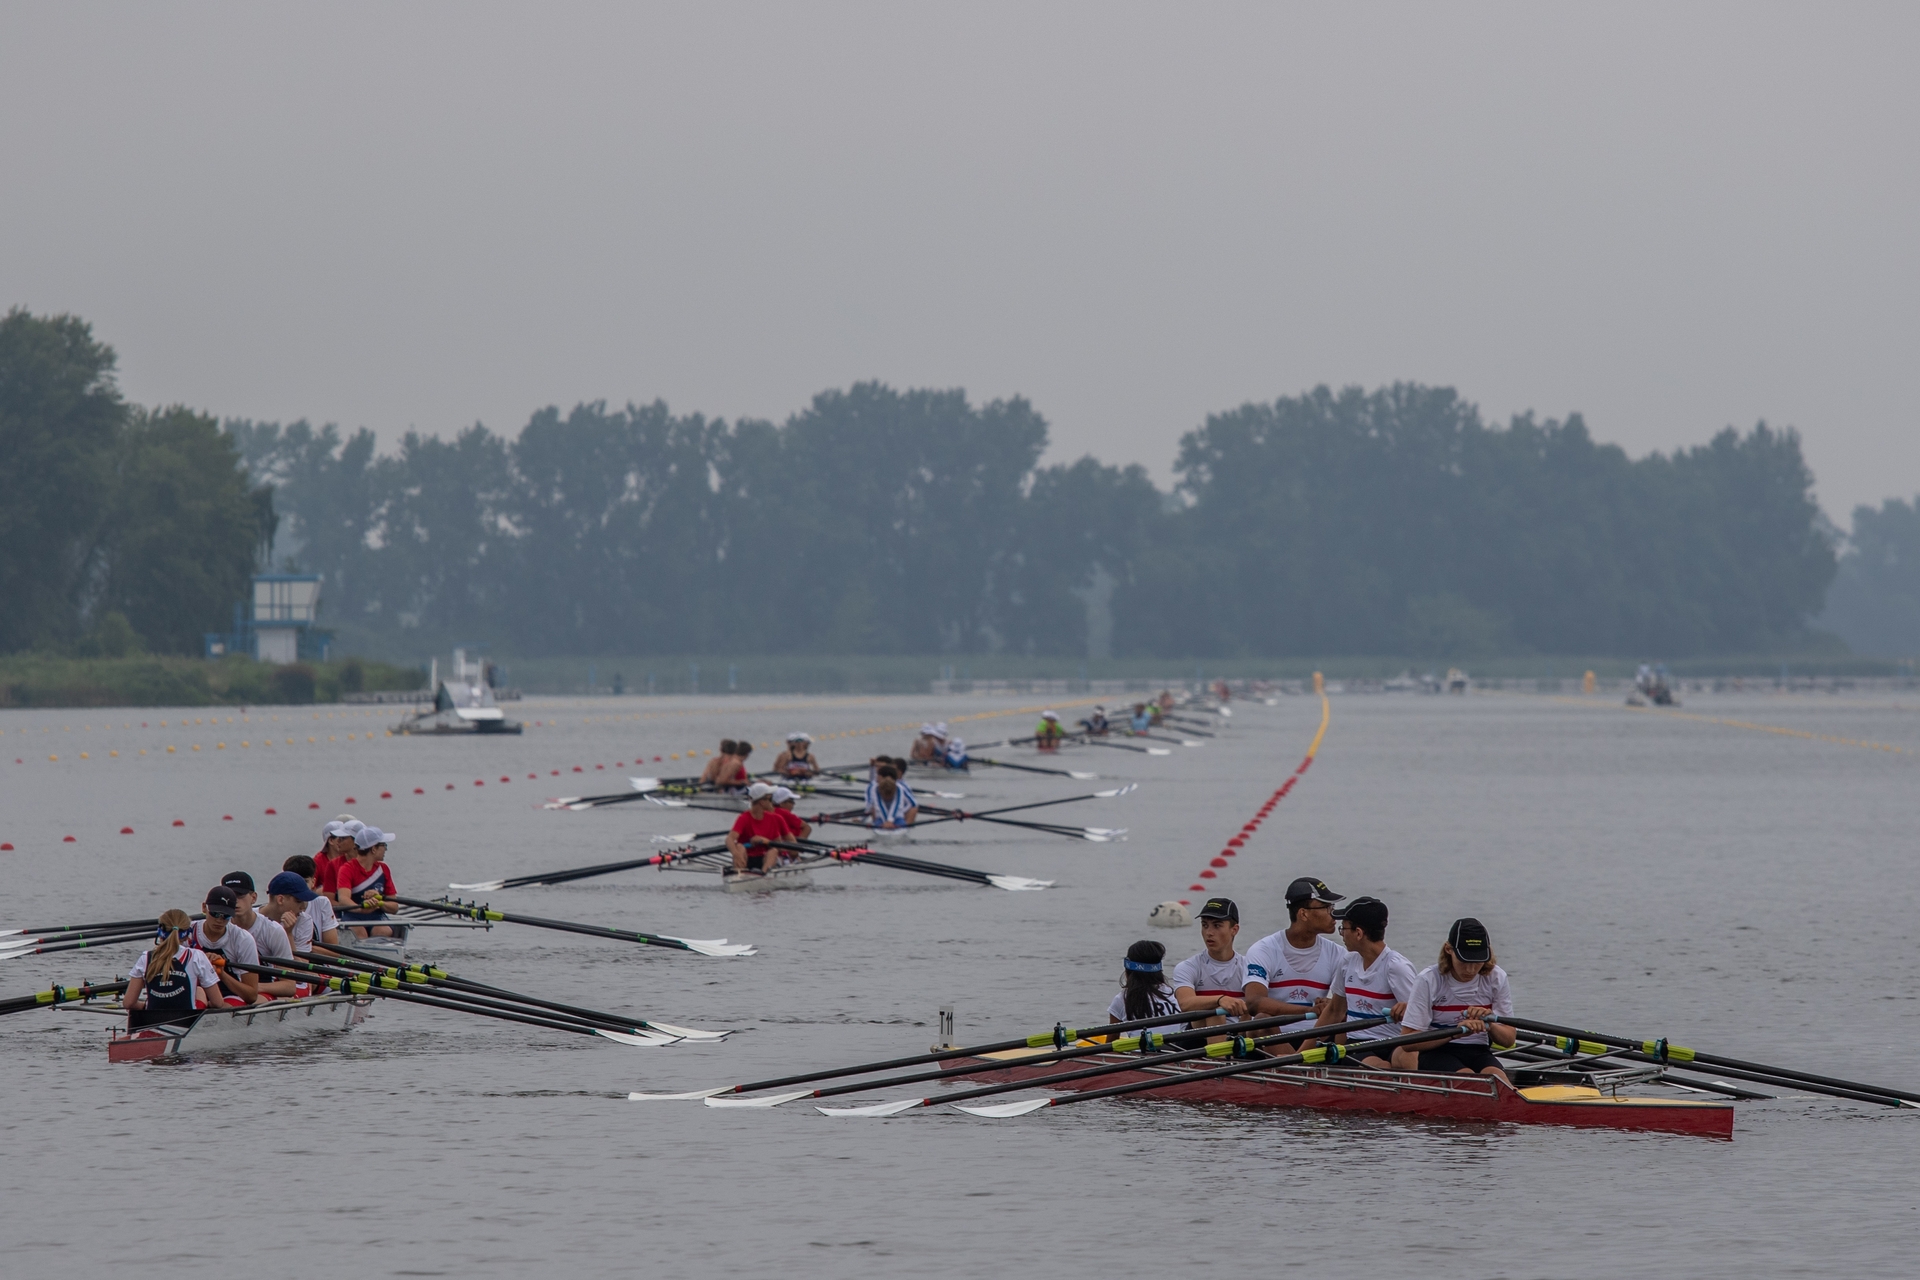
x: 293, y: 886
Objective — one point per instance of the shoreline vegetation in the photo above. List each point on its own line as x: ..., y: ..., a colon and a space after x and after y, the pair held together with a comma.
x: 48, y: 680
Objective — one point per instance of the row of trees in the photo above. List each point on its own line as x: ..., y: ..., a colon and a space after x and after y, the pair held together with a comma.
x: 120, y: 527
x: 883, y: 521
x: 1875, y: 602
x: 880, y: 521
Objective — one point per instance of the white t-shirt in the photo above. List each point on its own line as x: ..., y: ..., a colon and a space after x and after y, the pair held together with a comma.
x: 269, y: 938
x: 320, y: 913
x: 199, y: 968
x: 1292, y: 974
x: 1210, y: 977
x: 1373, y: 990
x: 1439, y: 1001
x: 1161, y: 1001
x: 302, y: 937
x: 235, y: 944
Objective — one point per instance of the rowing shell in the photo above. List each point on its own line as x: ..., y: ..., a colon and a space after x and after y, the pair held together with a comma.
x: 1412, y: 1093
x: 794, y: 877
x: 224, y: 1029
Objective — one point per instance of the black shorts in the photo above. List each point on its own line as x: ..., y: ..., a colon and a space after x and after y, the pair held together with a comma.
x: 1358, y: 1049
x: 1456, y: 1057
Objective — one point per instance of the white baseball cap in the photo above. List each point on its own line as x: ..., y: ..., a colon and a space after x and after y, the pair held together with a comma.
x: 367, y: 837
x: 927, y: 730
x: 759, y: 791
x: 797, y: 736
x: 783, y: 794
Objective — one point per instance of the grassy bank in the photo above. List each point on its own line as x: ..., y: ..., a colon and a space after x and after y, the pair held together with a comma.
x: 35, y: 680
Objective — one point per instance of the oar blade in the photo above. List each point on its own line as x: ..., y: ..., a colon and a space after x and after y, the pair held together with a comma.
x: 1005, y: 1110
x: 637, y: 1039
x: 666, y: 803
x: 1017, y: 884
x: 713, y: 946
x: 1083, y: 776
x: 1189, y: 742
x: 770, y: 1100
x: 875, y: 1109
x: 1158, y: 751
x: 644, y: 785
x: 481, y: 886
x: 561, y: 802
x: 690, y: 1033
x: 685, y: 837
x: 696, y: 1096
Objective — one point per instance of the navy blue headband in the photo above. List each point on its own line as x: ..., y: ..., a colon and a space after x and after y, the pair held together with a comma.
x: 1136, y: 966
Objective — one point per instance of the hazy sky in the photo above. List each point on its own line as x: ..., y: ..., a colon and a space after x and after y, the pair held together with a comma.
x: 1668, y: 217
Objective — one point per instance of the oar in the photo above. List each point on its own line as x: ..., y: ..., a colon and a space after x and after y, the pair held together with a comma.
x: 441, y: 978
x: 60, y: 995
x: 109, y: 925
x: 1061, y: 1037
x: 1531, y: 1049
x: 1029, y: 768
x: 76, y: 944
x: 1239, y: 1046
x: 1123, y: 746
x: 705, y: 947
x: 1320, y: 1055
x: 391, y: 989
x: 896, y: 862
x: 1661, y: 1051
x: 579, y: 873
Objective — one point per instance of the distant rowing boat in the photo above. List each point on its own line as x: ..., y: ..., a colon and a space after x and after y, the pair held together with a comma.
x: 1411, y: 1093
x: 222, y: 1030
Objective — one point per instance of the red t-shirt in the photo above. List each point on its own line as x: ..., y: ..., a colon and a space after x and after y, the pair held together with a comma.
x: 773, y: 826
x: 348, y: 874
x: 794, y: 823
x: 323, y: 865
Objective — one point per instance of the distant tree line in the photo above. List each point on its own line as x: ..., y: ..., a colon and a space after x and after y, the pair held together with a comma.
x: 121, y: 528
x: 1875, y: 601
x: 1393, y: 521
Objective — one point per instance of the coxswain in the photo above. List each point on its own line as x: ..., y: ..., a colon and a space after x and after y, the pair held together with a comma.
x: 170, y: 980
x: 1293, y: 970
x: 1466, y: 989
x: 1141, y: 720
x: 1375, y: 981
x: 323, y: 927
x: 269, y: 935
x: 1216, y: 977
x: 1048, y: 734
x: 1144, y: 992
x: 362, y: 884
x: 226, y: 944
x: 1096, y: 724
x: 784, y: 800
x: 797, y: 760
x: 926, y: 747
x: 755, y: 832
x: 891, y: 805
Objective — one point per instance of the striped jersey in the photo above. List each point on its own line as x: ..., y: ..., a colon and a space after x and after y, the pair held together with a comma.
x: 1210, y: 977
x: 1440, y: 1001
x: 884, y: 813
x: 1292, y: 974
x: 1373, y: 990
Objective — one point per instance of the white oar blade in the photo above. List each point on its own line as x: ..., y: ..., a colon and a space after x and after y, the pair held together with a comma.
x: 951, y: 795
x: 560, y: 802
x: 1084, y: 777
x: 770, y: 1100
x: 685, y: 837
x: 1158, y: 751
x: 877, y: 1109
x: 1002, y: 1110
x: 1090, y: 837
x: 714, y: 946
x: 645, y: 784
x: 638, y: 1039
x: 1016, y: 884
x: 481, y: 886
x: 666, y: 803
x: 689, y: 1033
x: 1189, y: 742
x: 1117, y: 791
x: 8, y: 933
x: 695, y: 1096
x: 1227, y: 712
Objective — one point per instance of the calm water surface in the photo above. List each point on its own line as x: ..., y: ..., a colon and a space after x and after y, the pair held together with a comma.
x: 1740, y: 891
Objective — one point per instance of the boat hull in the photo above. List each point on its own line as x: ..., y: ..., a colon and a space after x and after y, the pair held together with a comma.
x: 1408, y: 1093
x: 224, y: 1029
x: 768, y: 882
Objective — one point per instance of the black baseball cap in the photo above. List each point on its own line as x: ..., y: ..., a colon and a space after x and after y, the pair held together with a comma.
x: 221, y: 903
x: 1306, y: 889
x: 1470, y: 941
x: 1370, y: 914
x: 1220, y: 909
x: 238, y: 881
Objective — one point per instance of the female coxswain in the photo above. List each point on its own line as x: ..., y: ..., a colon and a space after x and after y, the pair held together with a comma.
x: 170, y: 981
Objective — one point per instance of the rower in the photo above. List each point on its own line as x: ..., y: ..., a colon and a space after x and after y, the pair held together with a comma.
x: 170, y: 980
x: 926, y: 747
x: 755, y: 831
x: 1048, y: 733
x: 1374, y: 981
x: 1143, y: 989
x: 269, y: 936
x: 797, y: 760
x: 891, y: 805
x: 741, y: 774
x: 954, y: 756
x: 1467, y: 988
x: 1213, y: 978
x: 336, y: 846
x: 784, y: 800
x: 288, y: 896
x: 1293, y: 970
x: 322, y: 924
x: 1096, y: 724
x: 223, y: 941
x: 1141, y: 720
x: 723, y: 768
x: 362, y: 884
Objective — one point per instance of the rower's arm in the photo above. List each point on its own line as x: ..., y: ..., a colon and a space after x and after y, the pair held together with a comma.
x: 1262, y: 1004
x: 913, y: 815
x: 1336, y: 1011
x: 131, y: 1000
